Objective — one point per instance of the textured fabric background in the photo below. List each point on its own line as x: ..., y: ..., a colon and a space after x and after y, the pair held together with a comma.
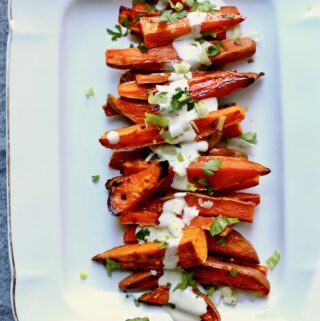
x: 5, y: 277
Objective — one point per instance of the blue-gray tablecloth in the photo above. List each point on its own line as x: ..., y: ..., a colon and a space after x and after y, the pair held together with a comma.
x: 5, y: 277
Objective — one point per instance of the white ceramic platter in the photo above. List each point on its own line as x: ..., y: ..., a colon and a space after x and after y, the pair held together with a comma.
x: 58, y: 217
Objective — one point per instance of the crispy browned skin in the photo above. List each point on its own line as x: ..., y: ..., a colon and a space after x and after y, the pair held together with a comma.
x: 234, y: 173
x: 215, y: 271
x: 192, y: 251
x: 149, y: 213
x: 119, y: 157
x: 234, y: 245
x: 210, y: 84
x: 159, y: 33
x: 127, y: 192
x: 159, y: 58
x: 160, y: 296
x: 221, y: 151
x: 137, y: 136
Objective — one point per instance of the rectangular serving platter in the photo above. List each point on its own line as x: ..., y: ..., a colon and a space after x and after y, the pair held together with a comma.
x: 59, y: 218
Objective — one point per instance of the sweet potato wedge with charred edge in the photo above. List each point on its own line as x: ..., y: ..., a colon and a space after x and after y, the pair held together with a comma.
x: 159, y: 33
x: 138, y: 136
x: 118, y: 158
x: 160, y: 296
x: 234, y: 245
x: 232, y: 174
x: 214, y: 84
x: 192, y: 251
x: 221, y: 151
x: 139, y: 281
x: 149, y: 213
x: 160, y: 58
x: 215, y: 271
x: 126, y: 192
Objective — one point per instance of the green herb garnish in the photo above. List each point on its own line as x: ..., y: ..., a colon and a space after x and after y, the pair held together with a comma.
x: 186, y: 280
x: 171, y: 17
x: 157, y: 120
x: 211, y: 166
x: 136, y: 302
x: 222, y: 242
x: 203, y: 6
x: 238, y: 42
x: 142, y: 47
x: 95, y: 178
x: 139, y: 319
x: 111, y: 266
x: 273, y: 260
x: 118, y: 33
x: 233, y: 272
x: 214, y: 49
x: 171, y: 305
x: 179, y: 99
x: 191, y: 187
x: 90, y: 92
x: 142, y: 234
x: 249, y: 137
x: 220, y: 223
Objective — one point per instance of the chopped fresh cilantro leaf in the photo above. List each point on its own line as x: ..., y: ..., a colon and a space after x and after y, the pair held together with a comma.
x: 250, y: 61
x: 142, y: 234
x: 155, y: 157
x: 211, y: 166
x: 139, y: 1
x: 249, y: 137
x: 220, y: 223
x: 168, y: 285
x: 131, y: 45
x: 90, y: 92
x: 171, y: 305
x: 233, y: 272
x: 139, y: 319
x: 186, y: 280
x: 203, y: 182
x: 203, y: 6
x: 178, y: 6
x: 95, y: 179
x: 118, y: 33
x: 157, y: 120
x: 179, y: 99
x: 171, y: 17
x: 222, y: 241
x: 209, y: 34
x: 125, y: 22
x: 273, y: 260
x: 136, y: 302
x: 142, y: 47
x: 111, y: 266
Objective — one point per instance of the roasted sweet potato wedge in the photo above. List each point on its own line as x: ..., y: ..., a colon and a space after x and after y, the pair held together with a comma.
x: 162, y: 57
x: 149, y: 213
x: 215, y: 271
x: 119, y: 157
x: 160, y: 296
x: 232, y: 131
x: 138, y: 136
x: 126, y: 192
x: 211, y: 84
x: 140, y: 281
x: 234, y: 245
x: 159, y: 33
x: 192, y: 251
x: 233, y: 174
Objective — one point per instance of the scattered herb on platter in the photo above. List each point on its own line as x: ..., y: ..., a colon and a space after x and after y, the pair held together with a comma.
x: 111, y: 266
x: 95, y: 179
x: 273, y: 260
x: 171, y: 17
x: 90, y: 92
x: 118, y: 33
x: 142, y: 234
x: 211, y: 166
x: 186, y: 280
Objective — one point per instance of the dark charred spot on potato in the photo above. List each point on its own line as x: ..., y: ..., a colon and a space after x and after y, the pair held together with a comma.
x: 117, y: 182
x: 214, y: 124
x: 155, y: 108
x: 123, y: 197
x: 164, y: 169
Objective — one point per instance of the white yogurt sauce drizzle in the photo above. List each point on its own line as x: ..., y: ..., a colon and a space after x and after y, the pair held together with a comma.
x: 113, y: 137
x: 188, y: 306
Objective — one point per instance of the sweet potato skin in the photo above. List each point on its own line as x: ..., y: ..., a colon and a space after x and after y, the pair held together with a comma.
x: 139, y: 281
x: 127, y: 192
x: 221, y: 151
x: 119, y: 157
x: 215, y: 271
x: 235, y: 245
x: 192, y: 251
x: 162, y: 57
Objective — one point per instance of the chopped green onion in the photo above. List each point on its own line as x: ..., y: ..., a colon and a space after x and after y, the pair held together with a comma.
x: 186, y: 280
x: 164, y: 245
x: 159, y: 98
x: 211, y: 290
x: 238, y: 42
x: 84, y: 275
x: 95, y: 179
x: 222, y: 241
x: 139, y: 319
x: 90, y: 92
x: 191, y: 187
x: 111, y: 266
x: 180, y: 157
x: 249, y: 137
x: 171, y: 305
x: 201, y: 109
x: 181, y: 68
x: 220, y: 223
x: 246, y: 108
x: 273, y: 260
x: 221, y: 122
x: 157, y: 120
